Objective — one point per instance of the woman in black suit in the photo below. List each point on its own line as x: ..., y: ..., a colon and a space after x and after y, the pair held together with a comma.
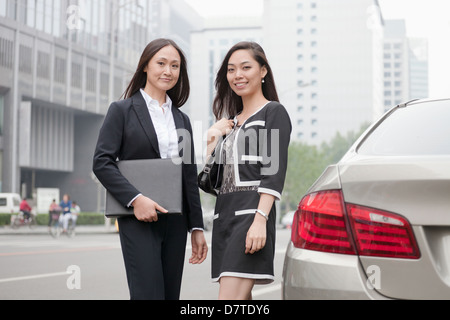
x: 148, y: 124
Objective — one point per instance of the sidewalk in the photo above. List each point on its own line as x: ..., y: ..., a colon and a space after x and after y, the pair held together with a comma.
x: 82, y: 229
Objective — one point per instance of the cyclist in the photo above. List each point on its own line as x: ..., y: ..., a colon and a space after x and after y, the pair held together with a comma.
x: 25, y: 208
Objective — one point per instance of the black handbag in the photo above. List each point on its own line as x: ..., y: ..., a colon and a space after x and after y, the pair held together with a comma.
x: 210, y: 178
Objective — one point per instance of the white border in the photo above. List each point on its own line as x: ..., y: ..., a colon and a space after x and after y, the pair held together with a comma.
x: 269, y: 278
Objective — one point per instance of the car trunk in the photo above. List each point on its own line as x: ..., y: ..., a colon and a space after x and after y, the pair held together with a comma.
x: 419, y: 190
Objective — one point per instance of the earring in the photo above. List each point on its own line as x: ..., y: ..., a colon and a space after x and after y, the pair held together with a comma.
x: 263, y: 81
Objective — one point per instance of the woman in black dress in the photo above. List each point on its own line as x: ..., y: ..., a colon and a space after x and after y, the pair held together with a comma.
x: 254, y: 153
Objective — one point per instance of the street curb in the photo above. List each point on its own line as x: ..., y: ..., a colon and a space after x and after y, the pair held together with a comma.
x: 40, y: 230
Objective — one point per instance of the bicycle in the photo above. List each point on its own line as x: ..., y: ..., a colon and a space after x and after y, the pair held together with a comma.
x: 20, y: 220
x: 56, y: 229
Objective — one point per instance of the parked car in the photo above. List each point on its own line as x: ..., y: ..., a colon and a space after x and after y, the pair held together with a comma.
x: 9, y: 203
x: 377, y: 224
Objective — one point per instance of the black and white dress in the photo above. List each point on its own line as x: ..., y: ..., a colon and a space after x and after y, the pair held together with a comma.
x: 254, y: 157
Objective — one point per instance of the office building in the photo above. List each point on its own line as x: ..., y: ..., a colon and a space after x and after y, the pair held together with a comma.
x: 327, y: 59
x: 405, y: 64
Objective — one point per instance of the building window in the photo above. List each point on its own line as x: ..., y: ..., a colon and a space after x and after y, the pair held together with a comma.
x: 25, y: 59
x: 1, y: 115
x: 76, y: 75
x: 104, y: 84
x: 3, y: 8
x: 43, y: 65
x: 6, y: 53
x: 91, y: 79
x: 60, y: 70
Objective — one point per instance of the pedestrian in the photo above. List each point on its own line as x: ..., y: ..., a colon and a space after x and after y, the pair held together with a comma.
x: 66, y: 206
x: 145, y: 126
x: 254, y: 156
x: 53, y: 212
x: 75, y: 212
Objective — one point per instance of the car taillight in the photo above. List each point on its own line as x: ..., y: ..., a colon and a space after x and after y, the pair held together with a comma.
x: 320, y: 224
x: 382, y: 234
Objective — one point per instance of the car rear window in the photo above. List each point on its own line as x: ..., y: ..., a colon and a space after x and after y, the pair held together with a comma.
x: 417, y: 129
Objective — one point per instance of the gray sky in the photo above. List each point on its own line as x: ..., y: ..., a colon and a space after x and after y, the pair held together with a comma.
x: 424, y: 19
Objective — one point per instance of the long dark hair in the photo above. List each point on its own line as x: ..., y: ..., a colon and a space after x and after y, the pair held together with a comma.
x: 227, y: 103
x: 179, y: 94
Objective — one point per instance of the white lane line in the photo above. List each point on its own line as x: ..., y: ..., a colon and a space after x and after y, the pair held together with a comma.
x: 36, y: 276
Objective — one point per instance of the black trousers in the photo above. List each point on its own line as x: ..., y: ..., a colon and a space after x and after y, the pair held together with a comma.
x: 154, y: 256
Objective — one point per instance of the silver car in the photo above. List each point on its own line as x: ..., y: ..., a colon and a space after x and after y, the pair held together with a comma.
x: 377, y: 224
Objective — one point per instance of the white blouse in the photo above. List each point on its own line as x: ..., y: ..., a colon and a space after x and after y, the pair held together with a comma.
x: 162, y: 119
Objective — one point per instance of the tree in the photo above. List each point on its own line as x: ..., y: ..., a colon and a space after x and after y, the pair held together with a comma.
x: 306, y: 163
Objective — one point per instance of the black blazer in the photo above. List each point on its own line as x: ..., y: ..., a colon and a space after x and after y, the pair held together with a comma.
x: 128, y: 134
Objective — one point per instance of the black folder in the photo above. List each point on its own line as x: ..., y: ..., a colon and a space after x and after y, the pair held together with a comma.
x: 158, y: 179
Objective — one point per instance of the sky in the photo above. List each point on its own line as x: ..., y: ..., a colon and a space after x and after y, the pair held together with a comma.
x: 428, y: 19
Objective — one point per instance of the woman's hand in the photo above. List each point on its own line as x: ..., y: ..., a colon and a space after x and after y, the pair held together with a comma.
x: 199, y: 247
x: 145, y: 209
x: 217, y: 131
x: 256, y: 235
x: 220, y: 128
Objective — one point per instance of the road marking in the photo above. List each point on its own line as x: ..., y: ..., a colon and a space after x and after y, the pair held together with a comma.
x: 6, y: 254
x: 268, y: 289
x: 36, y: 276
